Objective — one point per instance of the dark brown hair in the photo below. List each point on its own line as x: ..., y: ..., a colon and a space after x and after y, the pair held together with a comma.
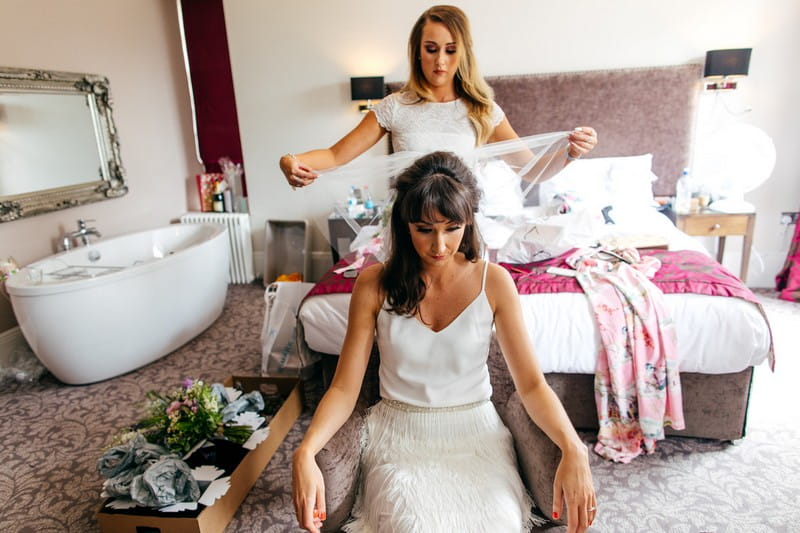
x: 436, y: 183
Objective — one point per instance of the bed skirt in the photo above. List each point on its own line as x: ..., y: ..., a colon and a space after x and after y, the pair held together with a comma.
x: 714, y: 405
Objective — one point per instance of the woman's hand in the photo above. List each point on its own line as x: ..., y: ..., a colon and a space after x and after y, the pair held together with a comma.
x: 309, y: 491
x: 297, y: 174
x: 582, y: 140
x: 573, y: 487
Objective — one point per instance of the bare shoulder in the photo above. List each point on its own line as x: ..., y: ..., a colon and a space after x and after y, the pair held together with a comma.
x: 499, y: 285
x: 368, y: 290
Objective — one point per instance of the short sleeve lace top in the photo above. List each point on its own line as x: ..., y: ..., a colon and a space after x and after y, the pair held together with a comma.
x: 425, y: 126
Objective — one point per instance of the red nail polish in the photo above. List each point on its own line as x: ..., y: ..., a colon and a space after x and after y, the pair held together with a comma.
x: 322, y: 515
x: 555, y: 515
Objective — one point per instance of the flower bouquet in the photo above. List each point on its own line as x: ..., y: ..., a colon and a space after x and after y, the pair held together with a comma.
x: 148, y: 463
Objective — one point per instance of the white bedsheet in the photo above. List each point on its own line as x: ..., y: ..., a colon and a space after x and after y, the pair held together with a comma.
x: 716, y: 335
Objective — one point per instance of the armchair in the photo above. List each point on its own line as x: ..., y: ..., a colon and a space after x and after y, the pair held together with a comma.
x: 537, y: 455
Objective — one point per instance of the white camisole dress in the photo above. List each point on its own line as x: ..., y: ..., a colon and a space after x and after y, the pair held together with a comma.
x: 436, y: 456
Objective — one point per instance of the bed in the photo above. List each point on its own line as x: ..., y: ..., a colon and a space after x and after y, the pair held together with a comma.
x: 645, y: 121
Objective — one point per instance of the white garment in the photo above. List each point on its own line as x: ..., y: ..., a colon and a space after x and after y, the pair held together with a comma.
x: 439, y: 471
x: 427, y: 368
x: 426, y: 126
x: 452, y: 468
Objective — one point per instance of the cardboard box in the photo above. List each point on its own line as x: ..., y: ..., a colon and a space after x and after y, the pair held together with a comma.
x: 213, y: 519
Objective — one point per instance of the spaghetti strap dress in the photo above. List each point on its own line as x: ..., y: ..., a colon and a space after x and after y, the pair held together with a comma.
x: 436, y: 456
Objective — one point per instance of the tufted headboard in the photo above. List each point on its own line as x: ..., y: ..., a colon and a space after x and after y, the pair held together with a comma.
x: 634, y: 110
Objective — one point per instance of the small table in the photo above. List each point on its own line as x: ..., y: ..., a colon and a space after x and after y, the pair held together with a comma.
x: 707, y: 223
x: 342, y: 234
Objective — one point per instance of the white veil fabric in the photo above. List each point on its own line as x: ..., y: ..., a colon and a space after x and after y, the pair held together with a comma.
x: 507, y: 172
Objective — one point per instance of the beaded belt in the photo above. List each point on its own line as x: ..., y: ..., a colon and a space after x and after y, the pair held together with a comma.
x: 402, y: 406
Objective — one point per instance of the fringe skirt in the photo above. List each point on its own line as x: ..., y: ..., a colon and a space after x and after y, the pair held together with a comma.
x: 439, y: 469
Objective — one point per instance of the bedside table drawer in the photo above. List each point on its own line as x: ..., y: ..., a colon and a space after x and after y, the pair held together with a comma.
x: 712, y: 225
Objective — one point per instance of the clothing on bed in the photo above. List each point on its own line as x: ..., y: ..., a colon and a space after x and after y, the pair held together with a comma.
x: 637, y: 384
x: 436, y: 455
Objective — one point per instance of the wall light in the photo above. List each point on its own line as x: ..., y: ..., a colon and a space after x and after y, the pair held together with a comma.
x: 367, y: 88
x: 723, y: 65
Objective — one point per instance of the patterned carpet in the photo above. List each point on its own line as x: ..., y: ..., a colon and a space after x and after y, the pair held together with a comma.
x: 52, y: 434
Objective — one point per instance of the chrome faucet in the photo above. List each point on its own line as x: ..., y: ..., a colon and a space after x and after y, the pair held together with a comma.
x: 81, y: 233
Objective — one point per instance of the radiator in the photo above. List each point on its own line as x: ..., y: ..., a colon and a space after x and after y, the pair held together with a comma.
x: 240, y: 269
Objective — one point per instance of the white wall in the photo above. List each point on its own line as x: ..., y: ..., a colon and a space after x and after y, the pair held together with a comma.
x: 292, y: 62
x: 136, y: 44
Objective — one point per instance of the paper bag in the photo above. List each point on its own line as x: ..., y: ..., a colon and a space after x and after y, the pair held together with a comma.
x: 281, y: 353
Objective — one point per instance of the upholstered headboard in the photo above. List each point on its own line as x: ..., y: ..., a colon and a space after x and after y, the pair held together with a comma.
x: 634, y: 110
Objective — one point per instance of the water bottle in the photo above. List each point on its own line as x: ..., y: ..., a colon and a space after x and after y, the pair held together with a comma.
x: 369, y: 205
x: 683, y: 193
x: 355, y: 208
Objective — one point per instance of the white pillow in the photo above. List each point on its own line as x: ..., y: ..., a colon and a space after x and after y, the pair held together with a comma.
x: 604, y: 181
x: 630, y: 181
x: 584, y: 180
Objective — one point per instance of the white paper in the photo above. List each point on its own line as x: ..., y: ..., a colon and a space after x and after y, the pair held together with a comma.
x: 206, y: 473
x: 122, y: 503
x: 178, y: 507
x: 250, y: 419
x: 256, y: 438
x: 215, y: 491
x: 233, y: 394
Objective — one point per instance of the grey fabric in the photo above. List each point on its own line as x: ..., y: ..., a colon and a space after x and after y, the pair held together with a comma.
x: 339, y: 462
x: 538, y: 456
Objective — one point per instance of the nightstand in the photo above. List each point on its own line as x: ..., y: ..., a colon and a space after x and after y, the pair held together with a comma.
x: 342, y: 235
x: 708, y: 223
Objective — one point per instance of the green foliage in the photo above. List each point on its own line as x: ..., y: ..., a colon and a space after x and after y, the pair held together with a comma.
x: 183, y: 418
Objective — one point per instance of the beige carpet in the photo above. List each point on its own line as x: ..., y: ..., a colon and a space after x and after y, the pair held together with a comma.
x: 52, y: 434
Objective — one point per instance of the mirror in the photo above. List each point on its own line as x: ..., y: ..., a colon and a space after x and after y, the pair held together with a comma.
x: 58, y: 142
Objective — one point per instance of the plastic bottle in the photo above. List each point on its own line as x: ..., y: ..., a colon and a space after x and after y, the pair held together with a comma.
x: 369, y: 205
x: 683, y: 193
x: 354, y: 207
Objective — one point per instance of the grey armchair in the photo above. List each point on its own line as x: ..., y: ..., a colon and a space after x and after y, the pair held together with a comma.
x: 537, y: 455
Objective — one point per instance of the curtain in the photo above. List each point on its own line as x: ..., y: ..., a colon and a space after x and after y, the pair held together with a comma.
x: 211, y: 83
x: 788, y: 279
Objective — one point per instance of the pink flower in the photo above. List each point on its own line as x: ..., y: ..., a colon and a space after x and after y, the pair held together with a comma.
x: 188, y: 382
x: 174, y: 406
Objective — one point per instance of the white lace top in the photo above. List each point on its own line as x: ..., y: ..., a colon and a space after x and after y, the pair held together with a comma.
x: 426, y: 126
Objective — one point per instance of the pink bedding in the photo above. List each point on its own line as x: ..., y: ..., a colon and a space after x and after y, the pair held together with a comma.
x: 680, y: 272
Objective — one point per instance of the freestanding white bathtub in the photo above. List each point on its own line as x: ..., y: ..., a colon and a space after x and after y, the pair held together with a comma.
x: 99, y: 311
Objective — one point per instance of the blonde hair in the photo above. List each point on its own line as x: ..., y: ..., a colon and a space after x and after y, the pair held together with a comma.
x: 469, y: 84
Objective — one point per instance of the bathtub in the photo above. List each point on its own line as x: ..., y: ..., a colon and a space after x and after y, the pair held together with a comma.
x: 99, y: 311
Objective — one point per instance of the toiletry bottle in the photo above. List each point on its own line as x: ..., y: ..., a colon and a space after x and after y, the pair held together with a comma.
x: 369, y: 205
x: 218, y: 200
x: 683, y: 193
x: 355, y: 208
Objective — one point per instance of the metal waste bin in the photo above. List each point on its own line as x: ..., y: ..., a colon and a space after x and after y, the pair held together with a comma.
x: 287, y: 249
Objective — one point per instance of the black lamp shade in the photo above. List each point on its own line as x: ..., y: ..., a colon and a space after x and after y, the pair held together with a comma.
x: 367, y: 88
x: 734, y: 62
